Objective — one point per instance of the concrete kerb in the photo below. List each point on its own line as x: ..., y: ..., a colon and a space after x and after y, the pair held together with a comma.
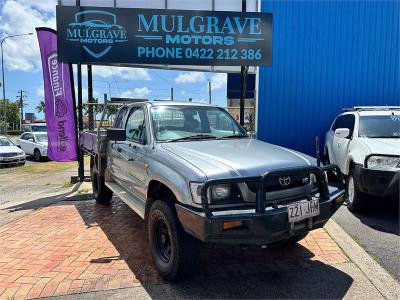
x: 377, y: 275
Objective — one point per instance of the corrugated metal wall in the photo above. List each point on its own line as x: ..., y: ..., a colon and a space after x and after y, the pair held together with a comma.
x: 326, y: 55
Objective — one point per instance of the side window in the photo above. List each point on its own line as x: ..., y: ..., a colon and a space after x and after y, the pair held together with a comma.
x: 29, y: 136
x: 136, y: 126
x: 24, y: 137
x: 339, y: 122
x: 119, y: 120
x: 350, y: 120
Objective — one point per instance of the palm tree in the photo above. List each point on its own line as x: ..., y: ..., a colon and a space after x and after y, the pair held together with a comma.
x: 40, y: 108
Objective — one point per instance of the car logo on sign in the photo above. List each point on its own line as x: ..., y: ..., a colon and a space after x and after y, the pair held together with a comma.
x: 284, y: 181
x: 97, y: 31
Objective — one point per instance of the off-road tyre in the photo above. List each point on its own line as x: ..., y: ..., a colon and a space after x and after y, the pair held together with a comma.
x: 36, y: 155
x: 356, y: 200
x: 101, y: 192
x: 175, y: 252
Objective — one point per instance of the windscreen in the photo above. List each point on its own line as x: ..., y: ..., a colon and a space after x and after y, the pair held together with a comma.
x: 379, y: 126
x: 5, y: 142
x: 41, y: 138
x: 177, y: 122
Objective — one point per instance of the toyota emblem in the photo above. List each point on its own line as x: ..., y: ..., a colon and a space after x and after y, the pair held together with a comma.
x: 284, y: 181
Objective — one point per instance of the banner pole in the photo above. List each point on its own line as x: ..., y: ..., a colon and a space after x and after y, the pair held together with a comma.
x: 92, y: 120
x: 81, y: 170
x: 243, y: 79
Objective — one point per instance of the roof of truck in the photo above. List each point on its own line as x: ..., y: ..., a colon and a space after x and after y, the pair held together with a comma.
x: 177, y: 103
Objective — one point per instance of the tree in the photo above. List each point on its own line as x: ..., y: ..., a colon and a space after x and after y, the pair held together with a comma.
x: 12, y: 111
x: 40, y: 108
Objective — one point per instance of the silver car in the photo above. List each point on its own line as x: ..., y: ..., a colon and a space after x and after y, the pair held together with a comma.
x: 192, y: 172
x: 10, y: 154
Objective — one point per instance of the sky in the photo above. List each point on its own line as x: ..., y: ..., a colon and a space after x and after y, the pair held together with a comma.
x: 23, y: 70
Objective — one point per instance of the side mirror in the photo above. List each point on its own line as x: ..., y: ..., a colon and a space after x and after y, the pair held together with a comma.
x: 116, y: 134
x: 343, y: 133
x: 31, y: 140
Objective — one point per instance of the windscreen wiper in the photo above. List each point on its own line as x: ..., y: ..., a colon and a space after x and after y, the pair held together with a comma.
x: 233, y: 136
x: 193, y: 137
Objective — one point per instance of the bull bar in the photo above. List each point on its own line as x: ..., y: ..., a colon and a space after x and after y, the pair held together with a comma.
x: 262, y: 191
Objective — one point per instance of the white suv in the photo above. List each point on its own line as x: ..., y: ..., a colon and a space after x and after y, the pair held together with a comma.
x: 34, y: 143
x: 365, y: 143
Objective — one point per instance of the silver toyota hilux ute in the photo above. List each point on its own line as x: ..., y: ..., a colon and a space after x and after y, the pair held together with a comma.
x: 192, y: 172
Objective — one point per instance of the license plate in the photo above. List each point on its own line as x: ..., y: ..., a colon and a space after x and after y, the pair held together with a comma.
x: 302, y: 210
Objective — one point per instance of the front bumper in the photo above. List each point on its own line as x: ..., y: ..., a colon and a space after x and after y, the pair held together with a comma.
x: 15, y: 160
x: 378, y: 182
x: 261, y: 225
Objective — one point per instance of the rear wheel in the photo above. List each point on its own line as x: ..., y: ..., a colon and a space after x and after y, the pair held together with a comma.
x: 101, y: 192
x: 355, y: 199
x: 36, y: 155
x: 174, y: 251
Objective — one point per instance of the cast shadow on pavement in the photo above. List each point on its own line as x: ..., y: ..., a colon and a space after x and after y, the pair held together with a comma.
x: 10, y: 213
x: 380, y: 217
x: 223, y: 271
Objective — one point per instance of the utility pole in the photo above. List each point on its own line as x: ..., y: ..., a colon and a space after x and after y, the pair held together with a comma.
x: 2, y: 72
x: 21, y: 95
x: 209, y: 91
x: 243, y: 80
x: 172, y: 94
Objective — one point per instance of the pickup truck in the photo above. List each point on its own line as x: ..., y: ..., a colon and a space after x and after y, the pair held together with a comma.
x: 191, y: 171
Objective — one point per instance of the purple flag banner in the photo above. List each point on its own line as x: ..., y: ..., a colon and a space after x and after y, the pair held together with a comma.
x: 59, y: 102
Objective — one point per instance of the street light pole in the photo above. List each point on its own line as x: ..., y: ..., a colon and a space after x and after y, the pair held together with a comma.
x: 2, y: 72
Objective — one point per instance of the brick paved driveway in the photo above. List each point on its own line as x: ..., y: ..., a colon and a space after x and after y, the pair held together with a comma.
x: 75, y: 247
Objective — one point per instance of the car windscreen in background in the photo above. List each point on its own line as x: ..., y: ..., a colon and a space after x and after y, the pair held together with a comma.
x: 379, y: 126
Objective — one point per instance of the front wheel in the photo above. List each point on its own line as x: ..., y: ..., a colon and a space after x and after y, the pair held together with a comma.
x: 37, y: 155
x: 355, y: 199
x: 174, y: 251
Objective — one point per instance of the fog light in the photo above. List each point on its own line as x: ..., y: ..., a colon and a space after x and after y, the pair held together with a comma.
x: 232, y: 224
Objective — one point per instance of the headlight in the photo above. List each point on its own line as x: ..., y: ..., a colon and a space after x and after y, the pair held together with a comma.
x: 220, y: 191
x: 216, y: 192
x: 377, y: 161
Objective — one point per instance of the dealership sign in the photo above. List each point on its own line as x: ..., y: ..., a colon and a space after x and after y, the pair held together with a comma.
x: 155, y: 36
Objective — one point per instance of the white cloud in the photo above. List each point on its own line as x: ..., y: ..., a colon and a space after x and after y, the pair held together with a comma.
x: 190, y: 77
x: 40, y: 92
x: 21, y: 16
x: 218, y: 81
x: 120, y: 72
x: 142, y: 92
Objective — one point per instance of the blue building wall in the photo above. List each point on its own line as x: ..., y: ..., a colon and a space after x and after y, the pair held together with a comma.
x: 327, y: 55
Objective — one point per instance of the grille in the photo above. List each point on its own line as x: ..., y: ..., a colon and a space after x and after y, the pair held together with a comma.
x: 11, y: 154
x: 274, y: 185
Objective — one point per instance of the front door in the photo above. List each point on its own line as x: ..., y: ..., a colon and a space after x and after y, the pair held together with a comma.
x: 341, y: 145
x: 133, y: 152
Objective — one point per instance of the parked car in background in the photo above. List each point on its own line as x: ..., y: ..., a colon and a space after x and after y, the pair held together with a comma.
x: 35, y: 127
x: 365, y: 143
x: 10, y: 154
x: 191, y: 171
x: 34, y: 143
